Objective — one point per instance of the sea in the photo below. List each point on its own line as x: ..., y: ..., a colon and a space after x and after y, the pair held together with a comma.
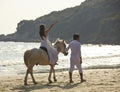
x: 97, y: 56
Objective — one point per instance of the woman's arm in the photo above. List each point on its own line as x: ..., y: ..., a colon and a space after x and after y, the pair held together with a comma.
x: 51, y: 27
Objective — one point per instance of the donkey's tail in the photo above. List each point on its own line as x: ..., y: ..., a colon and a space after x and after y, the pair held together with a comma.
x: 26, y: 58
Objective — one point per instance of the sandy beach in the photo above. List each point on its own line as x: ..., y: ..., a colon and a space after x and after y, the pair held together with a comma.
x: 98, y: 80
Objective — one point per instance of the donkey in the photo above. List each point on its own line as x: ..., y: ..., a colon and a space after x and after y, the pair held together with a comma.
x: 39, y: 56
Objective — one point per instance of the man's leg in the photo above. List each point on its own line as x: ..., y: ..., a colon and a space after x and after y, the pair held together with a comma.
x: 80, y: 72
x: 70, y: 71
x: 70, y: 77
x: 81, y: 77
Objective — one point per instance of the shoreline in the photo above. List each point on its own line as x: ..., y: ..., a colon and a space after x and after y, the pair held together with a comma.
x: 106, y: 80
x: 44, y: 70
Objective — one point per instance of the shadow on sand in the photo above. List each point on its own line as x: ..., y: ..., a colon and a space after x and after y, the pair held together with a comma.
x: 49, y: 86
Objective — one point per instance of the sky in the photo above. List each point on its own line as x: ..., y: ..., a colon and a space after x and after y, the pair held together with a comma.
x: 13, y: 11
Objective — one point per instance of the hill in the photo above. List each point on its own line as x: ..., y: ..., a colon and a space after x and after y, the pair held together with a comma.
x: 97, y: 21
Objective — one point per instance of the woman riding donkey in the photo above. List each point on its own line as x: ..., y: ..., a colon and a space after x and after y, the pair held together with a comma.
x: 39, y: 56
x: 47, y: 45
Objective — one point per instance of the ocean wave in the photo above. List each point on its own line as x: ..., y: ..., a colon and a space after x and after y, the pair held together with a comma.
x: 97, y: 57
x: 103, y: 67
x: 94, y: 57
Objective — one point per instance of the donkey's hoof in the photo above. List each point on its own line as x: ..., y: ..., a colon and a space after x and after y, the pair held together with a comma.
x: 25, y: 84
x: 55, y: 80
x: 35, y: 83
x: 50, y: 81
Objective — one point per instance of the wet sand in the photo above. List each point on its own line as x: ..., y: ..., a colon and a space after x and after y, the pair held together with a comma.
x: 97, y: 80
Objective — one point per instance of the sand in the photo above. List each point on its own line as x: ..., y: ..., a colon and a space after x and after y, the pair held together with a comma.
x: 97, y: 80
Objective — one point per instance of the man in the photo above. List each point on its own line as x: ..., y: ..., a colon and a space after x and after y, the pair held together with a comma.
x: 76, y: 58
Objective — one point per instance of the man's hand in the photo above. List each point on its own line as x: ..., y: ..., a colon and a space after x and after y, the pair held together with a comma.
x: 80, y: 60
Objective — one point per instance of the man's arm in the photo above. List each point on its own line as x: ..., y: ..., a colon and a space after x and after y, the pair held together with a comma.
x: 80, y: 60
x: 79, y: 49
x: 68, y: 48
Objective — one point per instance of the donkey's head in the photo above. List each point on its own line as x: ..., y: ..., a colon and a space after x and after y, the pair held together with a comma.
x: 60, y: 45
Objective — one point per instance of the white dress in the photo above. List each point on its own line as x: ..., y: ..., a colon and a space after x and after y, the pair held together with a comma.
x: 52, y: 52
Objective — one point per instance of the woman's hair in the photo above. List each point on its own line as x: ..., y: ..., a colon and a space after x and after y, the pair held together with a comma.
x: 41, y: 31
x: 76, y: 36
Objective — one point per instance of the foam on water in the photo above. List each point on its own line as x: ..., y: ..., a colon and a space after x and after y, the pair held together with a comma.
x: 11, y: 56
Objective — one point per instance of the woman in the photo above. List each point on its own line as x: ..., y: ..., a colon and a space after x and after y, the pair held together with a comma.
x: 47, y: 45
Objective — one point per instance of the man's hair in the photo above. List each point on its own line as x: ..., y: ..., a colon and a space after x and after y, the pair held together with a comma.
x: 76, y: 36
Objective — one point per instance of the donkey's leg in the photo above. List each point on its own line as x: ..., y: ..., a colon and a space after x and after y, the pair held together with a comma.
x: 49, y: 78
x: 54, y: 77
x: 31, y: 73
x: 25, y: 80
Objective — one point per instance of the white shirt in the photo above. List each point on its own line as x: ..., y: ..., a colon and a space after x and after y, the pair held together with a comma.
x: 75, y: 48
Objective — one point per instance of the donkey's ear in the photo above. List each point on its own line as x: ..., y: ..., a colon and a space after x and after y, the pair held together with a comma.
x: 58, y: 39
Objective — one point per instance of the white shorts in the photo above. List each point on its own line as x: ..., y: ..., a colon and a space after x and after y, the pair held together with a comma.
x: 75, y: 62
